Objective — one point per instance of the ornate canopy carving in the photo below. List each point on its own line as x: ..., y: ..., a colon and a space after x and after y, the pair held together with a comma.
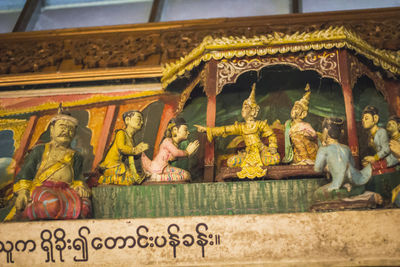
x: 279, y: 43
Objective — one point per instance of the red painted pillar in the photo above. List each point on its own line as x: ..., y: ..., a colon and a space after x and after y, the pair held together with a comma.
x: 26, y: 138
x: 344, y: 70
x: 392, y: 88
x: 210, y: 89
x: 105, y: 135
x: 167, y: 115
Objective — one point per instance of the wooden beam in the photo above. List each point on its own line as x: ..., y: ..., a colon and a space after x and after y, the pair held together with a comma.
x: 156, y: 10
x: 29, y: 15
x: 167, y: 115
x: 344, y: 70
x: 296, y: 6
x: 211, y: 92
x: 25, y: 140
x: 105, y: 135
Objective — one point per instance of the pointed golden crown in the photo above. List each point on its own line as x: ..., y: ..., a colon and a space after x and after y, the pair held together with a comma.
x: 305, y: 100
x: 251, y: 101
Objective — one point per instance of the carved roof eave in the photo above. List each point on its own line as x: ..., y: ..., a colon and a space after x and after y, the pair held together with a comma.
x: 227, y: 48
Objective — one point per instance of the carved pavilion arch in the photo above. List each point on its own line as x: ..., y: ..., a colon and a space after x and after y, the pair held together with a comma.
x: 335, y: 53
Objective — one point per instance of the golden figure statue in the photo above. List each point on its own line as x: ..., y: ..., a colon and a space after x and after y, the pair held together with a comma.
x: 49, y: 184
x: 257, y: 154
x: 118, y: 167
x: 301, y: 142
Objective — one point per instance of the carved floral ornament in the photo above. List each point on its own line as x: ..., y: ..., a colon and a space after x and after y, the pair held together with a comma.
x: 358, y: 69
x: 271, y: 44
x: 322, y: 62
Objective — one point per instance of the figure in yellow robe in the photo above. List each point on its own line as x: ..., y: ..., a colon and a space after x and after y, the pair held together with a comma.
x: 118, y: 166
x: 257, y: 154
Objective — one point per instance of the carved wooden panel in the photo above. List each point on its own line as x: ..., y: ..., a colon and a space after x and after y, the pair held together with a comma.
x: 359, y: 69
x: 324, y: 62
x: 128, y: 46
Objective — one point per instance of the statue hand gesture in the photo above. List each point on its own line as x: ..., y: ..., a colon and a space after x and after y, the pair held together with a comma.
x: 141, y: 147
x: 200, y: 129
x: 272, y: 150
x: 192, y: 147
x: 368, y: 159
x: 22, y: 200
x: 395, y: 148
x: 83, y: 191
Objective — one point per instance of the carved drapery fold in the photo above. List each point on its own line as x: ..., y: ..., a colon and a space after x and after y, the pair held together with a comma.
x: 324, y: 62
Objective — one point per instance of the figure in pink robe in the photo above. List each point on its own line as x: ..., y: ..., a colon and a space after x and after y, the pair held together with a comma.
x: 159, y: 169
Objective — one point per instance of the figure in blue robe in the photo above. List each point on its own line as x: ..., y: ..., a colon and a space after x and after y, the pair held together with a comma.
x: 339, y: 162
x: 383, y: 159
x: 337, y: 159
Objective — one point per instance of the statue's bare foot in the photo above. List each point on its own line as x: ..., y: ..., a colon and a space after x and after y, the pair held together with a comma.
x: 378, y: 199
x: 347, y: 186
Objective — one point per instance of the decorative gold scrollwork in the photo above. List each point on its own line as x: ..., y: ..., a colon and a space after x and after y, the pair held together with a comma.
x: 322, y: 62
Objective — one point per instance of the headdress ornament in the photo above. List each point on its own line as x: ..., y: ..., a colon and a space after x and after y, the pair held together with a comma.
x: 305, y: 100
x: 251, y: 101
x: 64, y: 115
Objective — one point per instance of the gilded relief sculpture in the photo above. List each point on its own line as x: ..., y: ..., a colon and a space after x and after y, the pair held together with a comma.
x: 118, y: 166
x: 49, y: 184
x: 301, y: 142
x: 379, y: 141
x: 159, y: 169
x: 257, y: 154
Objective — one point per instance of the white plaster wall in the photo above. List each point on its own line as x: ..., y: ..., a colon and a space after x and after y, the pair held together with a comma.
x: 305, y: 239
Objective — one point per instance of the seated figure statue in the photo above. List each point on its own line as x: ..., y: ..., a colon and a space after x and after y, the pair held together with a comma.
x: 337, y: 159
x: 379, y: 141
x: 257, y: 154
x: 118, y: 166
x: 49, y: 184
x: 159, y: 169
x: 301, y: 142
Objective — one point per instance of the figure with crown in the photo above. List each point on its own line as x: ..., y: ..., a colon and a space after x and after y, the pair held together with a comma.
x: 49, y: 184
x: 301, y: 142
x: 257, y: 154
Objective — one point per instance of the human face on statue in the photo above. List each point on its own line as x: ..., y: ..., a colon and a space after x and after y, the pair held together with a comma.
x: 369, y: 120
x: 249, y: 113
x: 297, y: 112
x: 181, y: 133
x: 62, y: 132
x: 135, y: 121
x: 392, y: 126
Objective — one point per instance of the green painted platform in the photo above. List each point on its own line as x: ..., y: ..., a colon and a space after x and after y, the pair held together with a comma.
x: 197, y: 199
